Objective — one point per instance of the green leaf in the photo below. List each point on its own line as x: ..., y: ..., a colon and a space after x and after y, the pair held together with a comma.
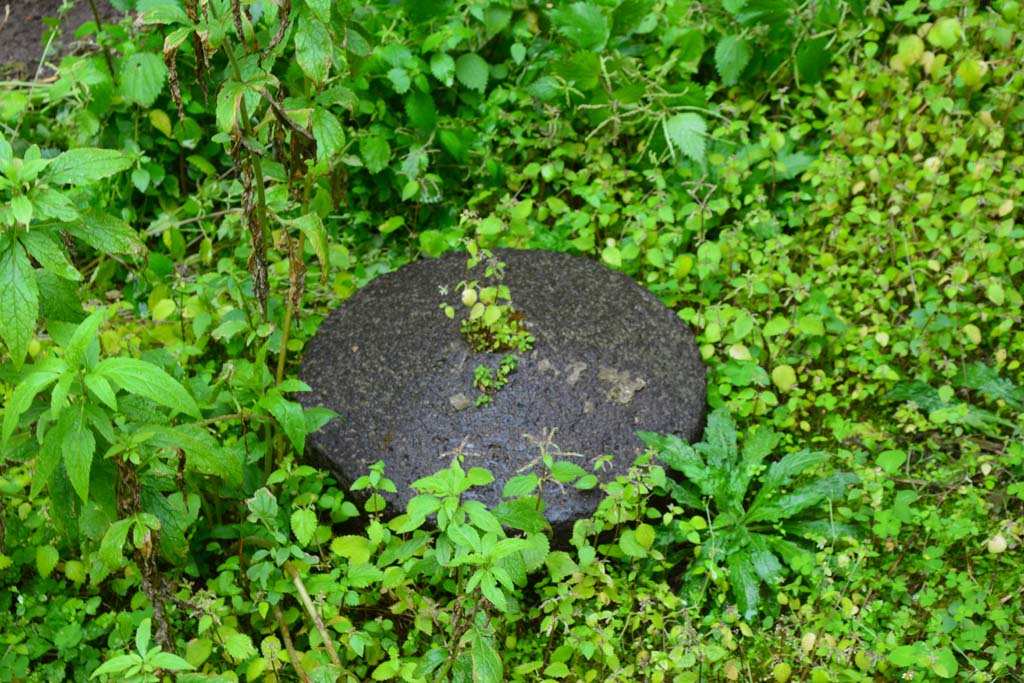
x: 583, y: 24
x: 112, y: 545
x: 149, y: 381
x: 25, y: 391
x: 239, y: 647
x: 143, y: 636
x: 169, y: 662
x: 355, y: 548
x: 681, y: 457
x: 756, y: 447
x: 321, y: 9
x: 52, y: 203
x: 686, y: 132
x: 487, y: 666
x: 263, y: 506
x: 802, y: 498
x: 203, y: 452
x: 312, y: 227
x: 782, y: 472
x: 520, y: 485
x: 117, y: 665
x: 21, y: 209
x: 289, y: 415
x: 86, y: 165
x: 19, y: 300
x: 732, y: 54
x: 106, y: 233
x: 84, y: 334
x: 891, y: 461
x: 521, y: 514
x: 745, y: 584
x: 812, y: 58
x: 376, y: 153
x: 47, y: 558
x: 303, y: 522
x: 313, y: 49
x: 329, y: 134
x: 50, y: 254
x: 78, y: 447
x: 400, y: 80
x: 472, y: 71
x: 229, y: 102
x: 784, y: 377
x: 421, y: 110
x: 142, y: 77
x: 443, y: 67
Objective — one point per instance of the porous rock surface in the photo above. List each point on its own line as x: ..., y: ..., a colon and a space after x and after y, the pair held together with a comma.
x: 609, y: 360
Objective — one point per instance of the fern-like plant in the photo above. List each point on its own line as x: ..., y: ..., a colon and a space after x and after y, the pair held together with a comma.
x: 761, y: 521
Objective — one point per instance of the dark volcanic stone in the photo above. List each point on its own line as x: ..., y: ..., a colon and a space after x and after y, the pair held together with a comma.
x: 609, y: 360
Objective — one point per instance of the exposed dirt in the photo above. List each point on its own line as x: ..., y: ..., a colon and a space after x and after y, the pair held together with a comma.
x: 21, y: 34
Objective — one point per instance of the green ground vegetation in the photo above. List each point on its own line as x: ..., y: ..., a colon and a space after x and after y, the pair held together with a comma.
x: 828, y: 192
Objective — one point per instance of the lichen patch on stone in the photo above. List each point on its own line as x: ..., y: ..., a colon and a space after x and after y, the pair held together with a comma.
x: 622, y: 387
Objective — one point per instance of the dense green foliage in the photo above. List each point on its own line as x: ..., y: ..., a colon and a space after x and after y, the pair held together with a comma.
x: 828, y: 192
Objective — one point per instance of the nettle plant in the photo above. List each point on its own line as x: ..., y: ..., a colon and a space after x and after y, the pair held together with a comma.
x: 757, y: 535
x: 492, y: 324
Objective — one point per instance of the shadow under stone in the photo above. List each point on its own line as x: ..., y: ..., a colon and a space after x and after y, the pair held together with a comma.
x: 609, y: 360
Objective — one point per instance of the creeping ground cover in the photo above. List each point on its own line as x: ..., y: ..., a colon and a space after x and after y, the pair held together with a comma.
x: 829, y: 193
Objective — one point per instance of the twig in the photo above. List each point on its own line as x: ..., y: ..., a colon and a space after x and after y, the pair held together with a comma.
x: 287, y: 638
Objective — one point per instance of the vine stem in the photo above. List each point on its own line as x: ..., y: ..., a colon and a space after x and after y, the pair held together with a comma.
x: 286, y: 636
x: 307, y: 602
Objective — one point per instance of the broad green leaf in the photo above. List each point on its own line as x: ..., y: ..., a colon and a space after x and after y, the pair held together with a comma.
x: 289, y: 415
x: 329, y: 134
x: 634, y: 16
x: 19, y: 300
x: 25, y: 391
x: 784, y: 377
x: 169, y: 662
x: 443, y: 67
x: 764, y: 562
x: 355, y: 548
x: 118, y: 664
x: 718, y: 445
x: 142, y: 77
x: 229, y: 102
x: 400, y: 80
x: 490, y: 589
x: 321, y: 9
x: 21, y: 209
x: 487, y: 666
x: 50, y: 254
x: 313, y: 228
x: 86, y: 165
x: 303, y: 522
x: 58, y: 298
x: 985, y: 379
x: 582, y: 70
x: 264, y: 508
x: 239, y: 646
x: 520, y: 485
x: 50, y: 452
x: 745, y: 584
x: 84, y: 334
x: 78, y: 447
x: 582, y: 23
x: 375, y: 152
x: 681, y: 457
x: 143, y: 636
x: 313, y: 48
x: 472, y: 71
x: 149, y: 381
x: 421, y: 110
x: 782, y: 472
x: 203, y: 453
x: 756, y: 447
x: 802, y: 498
x: 629, y: 545
x: 47, y: 558
x: 522, y: 514
x: 496, y: 18
x: 731, y: 57
x: 686, y: 132
x: 812, y: 58
x: 565, y: 471
x: 106, y: 233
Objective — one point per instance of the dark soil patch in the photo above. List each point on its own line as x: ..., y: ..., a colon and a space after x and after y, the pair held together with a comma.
x: 21, y: 34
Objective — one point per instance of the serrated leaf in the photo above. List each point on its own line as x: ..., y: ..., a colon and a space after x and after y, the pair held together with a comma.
x: 85, y: 333
x: 239, y: 646
x: 263, y: 506
x: 472, y: 71
x: 19, y: 301
x: 328, y: 133
x: 203, y: 453
x: 49, y: 253
x: 289, y: 415
x: 112, y: 544
x: 86, y: 165
x: 303, y: 524
x: 520, y: 485
x: 686, y: 132
x: 106, y: 233
x: 782, y: 472
x: 149, y: 381
x: 47, y: 558
x: 313, y: 49
x: 583, y: 24
x: 355, y: 548
x: 521, y: 514
x: 375, y: 152
x: 24, y: 393
x: 443, y: 67
x: 732, y: 54
x: 78, y: 447
x: 802, y: 498
x: 400, y: 80
x: 421, y: 110
x: 141, y: 78
x: 229, y: 100
x: 680, y: 456
x: 169, y: 662
x: 487, y: 666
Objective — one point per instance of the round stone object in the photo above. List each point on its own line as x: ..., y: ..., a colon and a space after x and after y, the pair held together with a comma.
x: 609, y: 360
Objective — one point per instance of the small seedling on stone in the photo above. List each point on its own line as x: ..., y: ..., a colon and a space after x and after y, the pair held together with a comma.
x: 492, y: 324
